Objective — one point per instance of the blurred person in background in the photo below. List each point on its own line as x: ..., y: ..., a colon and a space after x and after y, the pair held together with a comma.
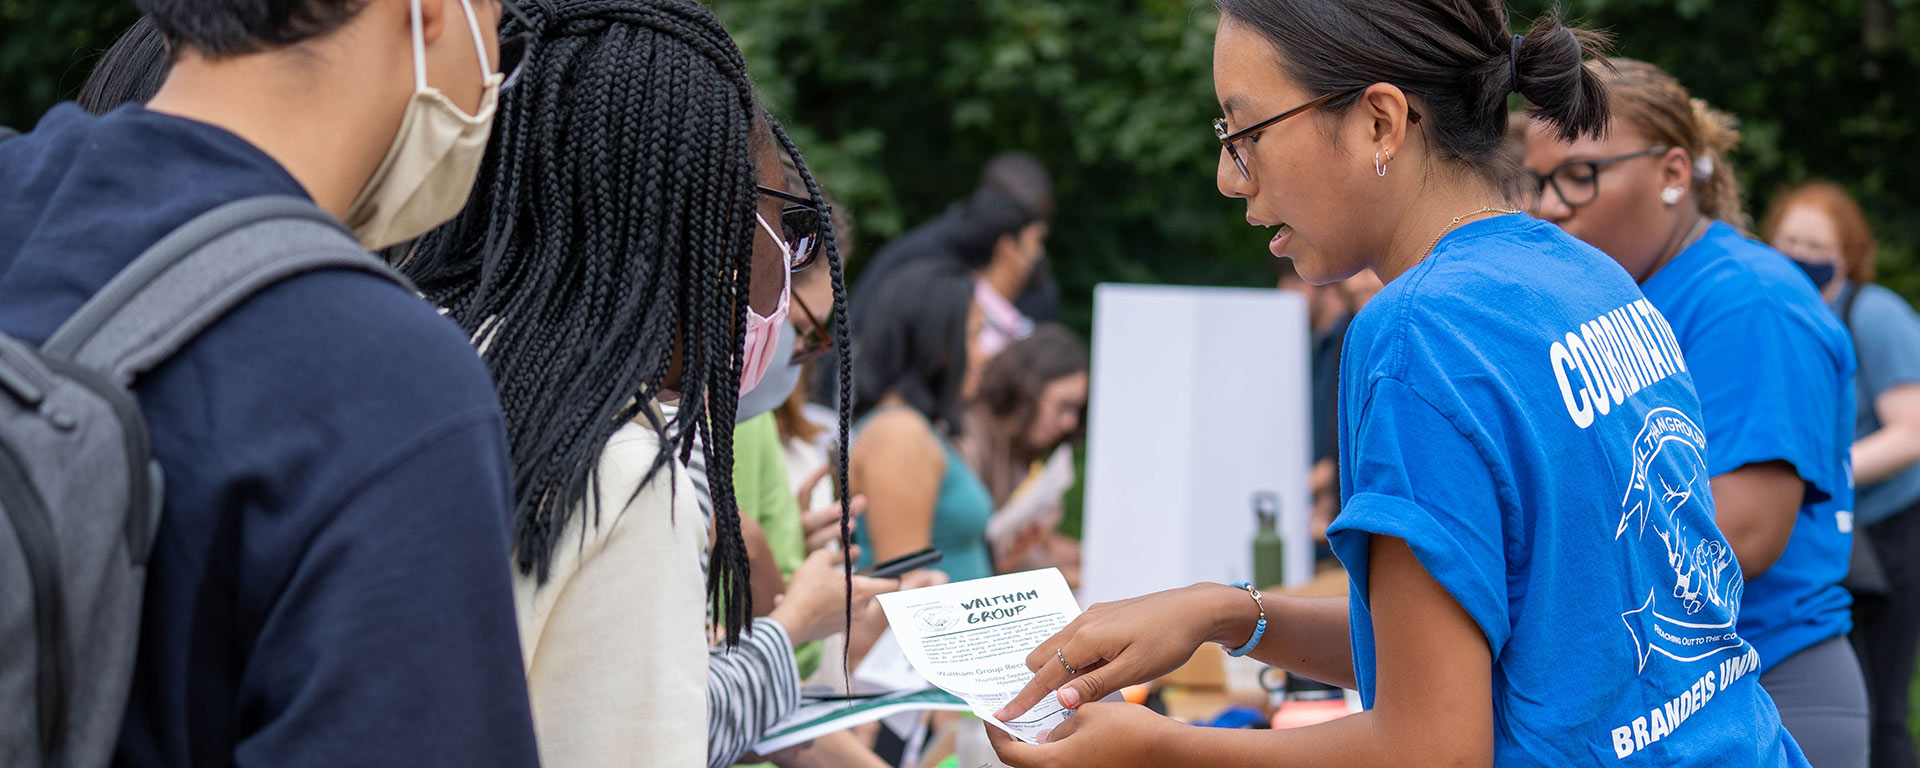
x: 1330, y: 308
x: 1002, y: 240
x: 1770, y: 362
x: 1820, y: 227
x: 1016, y: 176
x: 918, y: 365
x: 1013, y: 186
x: 1021, y: 428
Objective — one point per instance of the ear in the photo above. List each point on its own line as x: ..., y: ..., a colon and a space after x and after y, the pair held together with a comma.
x: 1383, y: 111
x: 434, y: 17
x: 1007, y: 245
x: 1676, y: 170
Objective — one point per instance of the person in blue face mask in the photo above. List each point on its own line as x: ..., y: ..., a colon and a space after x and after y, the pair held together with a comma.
x: 1822, y: 229
x: 1772, y: 366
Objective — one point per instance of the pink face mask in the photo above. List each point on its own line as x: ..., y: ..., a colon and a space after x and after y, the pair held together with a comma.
x: 763, y: 333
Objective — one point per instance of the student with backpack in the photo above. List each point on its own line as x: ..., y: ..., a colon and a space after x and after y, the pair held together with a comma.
x: 307, y: 571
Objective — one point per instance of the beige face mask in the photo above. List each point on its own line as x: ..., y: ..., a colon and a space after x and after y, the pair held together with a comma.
x: 429, y: 169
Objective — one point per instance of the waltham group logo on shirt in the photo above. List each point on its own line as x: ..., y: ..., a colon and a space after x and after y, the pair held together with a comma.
x: 1696, y: 618
x: 1690, y: 617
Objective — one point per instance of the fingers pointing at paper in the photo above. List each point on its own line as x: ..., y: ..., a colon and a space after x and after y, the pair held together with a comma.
x: 1114, y: 645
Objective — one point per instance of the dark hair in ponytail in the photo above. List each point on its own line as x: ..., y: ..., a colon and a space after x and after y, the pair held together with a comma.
x: 611, y: 224
x: 130, y: 72
x: 1456, y: 58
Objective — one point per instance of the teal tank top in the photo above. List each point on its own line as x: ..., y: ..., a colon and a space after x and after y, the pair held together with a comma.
x: 960, y: 515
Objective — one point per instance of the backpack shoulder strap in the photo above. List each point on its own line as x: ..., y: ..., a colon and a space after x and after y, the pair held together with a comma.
x: 1848, y: 295
x: 196, y: 274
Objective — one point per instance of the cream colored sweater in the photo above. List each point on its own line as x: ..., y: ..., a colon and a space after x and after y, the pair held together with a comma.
x: 615, y: 640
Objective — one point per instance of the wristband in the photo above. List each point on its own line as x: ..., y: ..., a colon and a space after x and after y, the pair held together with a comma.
x: 1259, y: 628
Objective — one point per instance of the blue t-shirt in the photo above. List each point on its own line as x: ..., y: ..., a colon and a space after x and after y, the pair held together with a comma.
x: 1519, y: 414
x: 1886, y: 336
x: 1772, y: 366
x: 329, y: 584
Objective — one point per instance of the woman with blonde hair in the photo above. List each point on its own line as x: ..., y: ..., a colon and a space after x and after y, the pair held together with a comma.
x: 1772, y: 369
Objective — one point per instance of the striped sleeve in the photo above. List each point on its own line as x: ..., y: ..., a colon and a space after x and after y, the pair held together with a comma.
x: 749, y: 689
x: 702, y: 492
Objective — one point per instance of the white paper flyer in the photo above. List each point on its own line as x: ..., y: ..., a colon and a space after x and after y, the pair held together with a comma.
x: 972, y: 638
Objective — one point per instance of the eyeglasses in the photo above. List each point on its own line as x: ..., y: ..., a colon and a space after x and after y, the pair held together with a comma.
x: 1227, y: 140
x: 513, y: 53
x: 799, y: 225
x: 513, y: 48
x: 817, y: 341
x: 1578, y: 182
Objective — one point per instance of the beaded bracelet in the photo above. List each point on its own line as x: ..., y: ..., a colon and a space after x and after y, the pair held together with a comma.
x: 1259, y: 629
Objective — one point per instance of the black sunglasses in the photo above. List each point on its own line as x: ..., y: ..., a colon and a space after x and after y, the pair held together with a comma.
x: 1228, y: 140
x: 799, y: 224
x: 1578, y: 182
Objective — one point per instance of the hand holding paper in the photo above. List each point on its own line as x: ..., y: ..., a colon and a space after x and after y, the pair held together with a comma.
x: 972, y: 638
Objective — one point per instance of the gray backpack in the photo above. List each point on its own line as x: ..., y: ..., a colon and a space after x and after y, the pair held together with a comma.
x: 80, y: 493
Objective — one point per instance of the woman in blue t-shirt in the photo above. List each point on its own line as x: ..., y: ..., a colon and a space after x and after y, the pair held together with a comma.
x: 1771, y: 365
x: 1821, y: 228
x: 1536, y: 577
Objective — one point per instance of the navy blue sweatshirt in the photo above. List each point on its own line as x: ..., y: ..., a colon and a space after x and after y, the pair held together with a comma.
x: 330, y: 582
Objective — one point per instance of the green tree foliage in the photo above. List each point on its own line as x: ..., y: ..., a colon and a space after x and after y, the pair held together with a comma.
x: 900, y: 101
x: 47, y: 47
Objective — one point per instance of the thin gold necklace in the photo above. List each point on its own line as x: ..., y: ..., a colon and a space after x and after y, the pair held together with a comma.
x: 1456, y: 222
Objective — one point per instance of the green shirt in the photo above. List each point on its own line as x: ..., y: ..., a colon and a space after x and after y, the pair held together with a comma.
x: 761, y: 485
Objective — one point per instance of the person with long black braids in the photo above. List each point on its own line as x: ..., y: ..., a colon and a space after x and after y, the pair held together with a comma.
x: 628, y: 243
x: 1536, y: 576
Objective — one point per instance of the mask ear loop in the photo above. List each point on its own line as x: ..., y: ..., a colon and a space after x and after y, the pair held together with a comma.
x: 786, y: 270
x: 419, y: 50
x: 420, y: 45
x: 785, y: 251
x: 479, y: 45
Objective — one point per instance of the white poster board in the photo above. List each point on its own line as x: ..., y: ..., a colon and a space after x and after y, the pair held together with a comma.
x: 1200, y: 399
